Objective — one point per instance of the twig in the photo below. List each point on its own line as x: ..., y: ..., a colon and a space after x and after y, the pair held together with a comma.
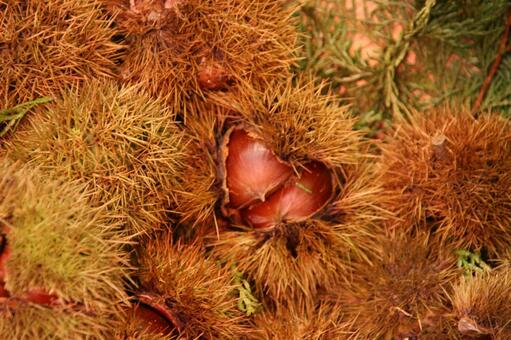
x: 503, y: 49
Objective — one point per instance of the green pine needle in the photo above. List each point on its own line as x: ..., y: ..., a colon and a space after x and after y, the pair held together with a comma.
x: 12, y: 116
x: 452, y: 44
x: 303, y: 187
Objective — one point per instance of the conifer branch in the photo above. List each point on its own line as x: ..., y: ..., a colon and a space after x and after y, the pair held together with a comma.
x: 247, y: 302
x: 504, y: 47
x: 395, y: 55
x: 10, y: 117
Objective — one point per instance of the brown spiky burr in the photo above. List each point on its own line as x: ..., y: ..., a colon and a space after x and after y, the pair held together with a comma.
x: 481, y: 304
x: 450, y: 172
x: 402, y: 292
x: 145, y: 322
x: 282, y: 185
x: 184, y: 293
x: 288, y: 264
x: 62, y: 264
x: 182, y: 49
x: 124, y: 145
x: 321, y: 323
x: 273, y: 120
x: 47, y: 46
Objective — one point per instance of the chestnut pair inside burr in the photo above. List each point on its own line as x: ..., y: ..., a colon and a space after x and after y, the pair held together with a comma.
x: 262, y: 190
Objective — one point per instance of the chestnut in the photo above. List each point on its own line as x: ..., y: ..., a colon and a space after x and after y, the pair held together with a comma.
x: 252, y: 169
x: 299, y: 199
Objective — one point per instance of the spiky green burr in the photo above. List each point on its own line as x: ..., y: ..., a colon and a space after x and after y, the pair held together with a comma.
x: 64, y: 267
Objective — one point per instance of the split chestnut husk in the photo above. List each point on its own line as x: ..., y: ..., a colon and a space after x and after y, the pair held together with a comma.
x: 188, y: 294
x: 262, y: 190
x: 148, y: 319
x: 279, y: 183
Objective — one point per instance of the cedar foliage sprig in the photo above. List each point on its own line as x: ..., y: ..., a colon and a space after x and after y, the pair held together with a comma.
x: 10, y: 117
x: 471, y: 262
x: 425, y: 53
x: 247, y: 302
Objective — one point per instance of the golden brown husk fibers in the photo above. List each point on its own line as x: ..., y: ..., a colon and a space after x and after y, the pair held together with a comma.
x: 450, y: 172
x: 181, y: 49
x: 124, y: 145
x: 46, y: 46
x: 62, y: 247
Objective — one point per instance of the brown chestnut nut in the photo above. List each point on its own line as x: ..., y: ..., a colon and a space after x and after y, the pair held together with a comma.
x: 252, y: 169
x: 296, y: 201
